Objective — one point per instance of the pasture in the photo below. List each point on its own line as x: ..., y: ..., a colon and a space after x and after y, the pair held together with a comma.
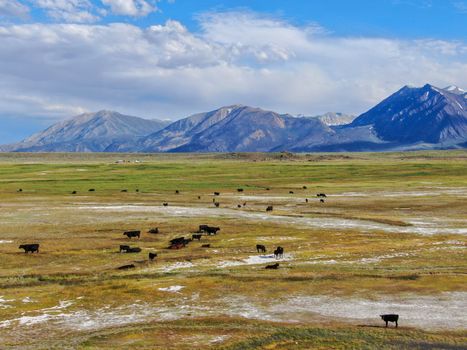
x: 390, y: 237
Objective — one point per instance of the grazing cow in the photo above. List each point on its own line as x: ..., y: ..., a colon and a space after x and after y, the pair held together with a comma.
x: 74, y: 192
x: 260, y: 248
x: 216, y: 193
x: 272, y: 267
x: 321, y: 200
x: 198, y: 237
x: 267, y: 188
x: 291, y: 192
x: 30, y: 247
x: 239, y: 189
x: 124, y: 191
x: 306, y: 200
x: 208, y: 229
x: 304, y: 187
x: 269, y: 208
x: 199, y: 197
x: 320, y: 195
x: 131, y: 234
x: 211, y: 230
x: 390, y: 318
x: 127, y: 267
x: 124, y: 248
x: 165, y: 204
x: 137, y: 190
x: 216, y: 204
x: 179, y: 242
x: 154, y: 230
x: 20, y: 190
x: 239, y: 206
x: 244, y: 204
x: 134, y: 250
x: 279, y: 252
x: 177, y: 191
x: 91, y: 190
x: 152, y: 256
x: 206, y: 246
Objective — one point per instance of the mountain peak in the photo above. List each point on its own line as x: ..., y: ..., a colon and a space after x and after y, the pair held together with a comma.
x: 426, y: 114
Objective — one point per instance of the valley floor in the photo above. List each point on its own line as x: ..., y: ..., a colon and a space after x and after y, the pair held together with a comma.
x: 390, y: 237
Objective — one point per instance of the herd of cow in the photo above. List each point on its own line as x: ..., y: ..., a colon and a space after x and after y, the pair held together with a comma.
x: 181, y: 242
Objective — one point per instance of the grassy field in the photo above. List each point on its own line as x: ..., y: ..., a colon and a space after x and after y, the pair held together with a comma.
x: 390, y: 237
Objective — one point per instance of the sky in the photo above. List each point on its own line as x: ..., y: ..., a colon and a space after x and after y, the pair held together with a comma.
x: 168, y: 59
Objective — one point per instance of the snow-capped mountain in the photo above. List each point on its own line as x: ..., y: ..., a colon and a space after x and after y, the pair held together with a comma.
x: 412, y: 118
x: 420, y: 115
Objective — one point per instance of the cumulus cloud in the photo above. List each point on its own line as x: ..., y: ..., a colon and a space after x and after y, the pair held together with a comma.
x: 13, y: 8
x: 76, y: 11
x: 134, y: 8
x: 166, y: 70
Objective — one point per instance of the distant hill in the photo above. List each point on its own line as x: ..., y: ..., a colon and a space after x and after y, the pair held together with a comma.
x: 412, y: 118
x: 233, y: 129
x: 89, y: 132
x: 333, y: 119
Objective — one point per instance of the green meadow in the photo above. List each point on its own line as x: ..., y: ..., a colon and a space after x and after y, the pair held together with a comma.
x: 389, y: 237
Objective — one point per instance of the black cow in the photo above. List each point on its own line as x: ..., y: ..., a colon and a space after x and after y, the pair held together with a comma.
x: 239, y: 189
x: 74, y: 192
x: 206, y: 246
x: 269, y: 208
x: 272, y: 267
x: 390, y: 318
x: 179, y: 242
x: 211, y: 230
x: 306, y: 200
x: 244, y: 204
x: 30, y: 247
x: 91, y: 190
x: 304, y: 187
x: 260, y: 248
x: 321, y: 200
x: 217, y: 204
x: 279, y: 252
x: 320, y: 195
x: 137, y: 190
x: 217, y: 193
x: 127, y: 267
x: 20, y: 190
x: 152, y: 256
x: 291, y: 192
x: 131, y: 234
x: 165, y: 204
x: 198, y: 237
x: 199, y: 197
x: 239, y: 206
x: 124, y: 191
x: 177, y: 191
x: 124, y: 248
x: 134, y: 250
x: 154, y: 230
x: 267, y: 188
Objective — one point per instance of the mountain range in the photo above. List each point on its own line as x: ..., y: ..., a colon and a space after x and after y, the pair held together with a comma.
x: 412, y: 118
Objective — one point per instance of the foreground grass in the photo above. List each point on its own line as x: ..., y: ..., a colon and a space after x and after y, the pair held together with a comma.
x: 79, y: 255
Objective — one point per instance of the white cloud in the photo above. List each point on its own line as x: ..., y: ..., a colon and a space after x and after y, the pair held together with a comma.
x: 75, y: 11
x: 134, y: 8
x: 13, y: 8
x: 167, y: 71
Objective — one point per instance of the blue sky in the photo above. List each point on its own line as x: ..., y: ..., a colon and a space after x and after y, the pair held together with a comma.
x: 170, y: 58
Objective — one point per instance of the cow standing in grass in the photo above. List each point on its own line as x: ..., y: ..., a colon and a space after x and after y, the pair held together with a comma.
x: 390, y: 318
x: 260, y: 248
x: 131, y: 234
x: 279, y: 253
x: 30, y: 247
